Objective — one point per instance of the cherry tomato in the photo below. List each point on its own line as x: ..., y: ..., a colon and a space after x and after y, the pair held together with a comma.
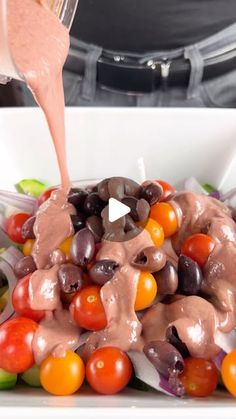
x: 20, y: 301
x: 228, y: 372
x: 146, y: 291
x: 155, y: 230
x: 164, y: 214
x: 65, y: 247
x: 167, y: 189
x: 28, y: 247
x: 198, y: 247
x: 62, y: 376
x: 108, y: 370
x: 200, y: 377
x: 87, y: 309
x: 14, y: 226
x: 45, y: 196
x: 16, y: 338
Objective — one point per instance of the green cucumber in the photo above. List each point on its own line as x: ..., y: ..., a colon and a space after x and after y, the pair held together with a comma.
x: 209, y: 188
x: 31, y: 376
x: 32, y: 187
x: 7, y: 380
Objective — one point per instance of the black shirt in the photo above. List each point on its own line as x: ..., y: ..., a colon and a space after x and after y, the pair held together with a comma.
x: 148, y: 25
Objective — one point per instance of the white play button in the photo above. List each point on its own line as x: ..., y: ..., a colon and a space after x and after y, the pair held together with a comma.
x: 116, y: 210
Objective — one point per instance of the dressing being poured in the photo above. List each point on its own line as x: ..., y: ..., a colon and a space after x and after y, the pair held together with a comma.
x: 39, y: 45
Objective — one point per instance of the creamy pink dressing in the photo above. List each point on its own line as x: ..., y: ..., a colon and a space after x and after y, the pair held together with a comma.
x: 118, y: 296
x: 55, y: 334
x: 52, y: 226
x: 44, y: 291
x: 196, y: 319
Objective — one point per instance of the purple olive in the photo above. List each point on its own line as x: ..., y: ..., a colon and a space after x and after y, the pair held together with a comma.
x: 78, y: 221
x: 102, y: 271
x: 24, y: 266
x: 167, y: 279
x: 94, y: 224
x: 27, y: 230
x: 190, y: 276
x: 143, y: 209
x: 151, y: 193
x: 70, y: 278
x: 131, y: 202
x: 82, y: 247
x: 93, y: 204
x: 173, y: 338
x: 150, y: 259
x: 77, y: 198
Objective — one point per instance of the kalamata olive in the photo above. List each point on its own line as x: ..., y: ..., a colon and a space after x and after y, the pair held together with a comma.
x: 168, y: 361
x: 234, y: 214
x: 102, y: 271
x: 131, y: 202
x: 167, y: 279
x: 151, y: 192
x: 190, y: 276
x: 77, y: 197
x: 93, y: 205
x: 3, y: 279
x: 24, y: 266
x: 70, y: 278
x: 94, y: 224
x: 82, y: 247
x: 78, y: 221
x: 27, y: 230
x: 103, y: 191
x: 150, y: 259
x: 143, y: 209
x: 173, y: 338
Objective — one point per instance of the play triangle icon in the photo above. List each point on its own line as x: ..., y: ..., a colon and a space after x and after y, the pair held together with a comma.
x: 116, y: 210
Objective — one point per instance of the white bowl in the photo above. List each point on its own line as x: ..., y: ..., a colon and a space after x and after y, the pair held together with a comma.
x: 172, y: 144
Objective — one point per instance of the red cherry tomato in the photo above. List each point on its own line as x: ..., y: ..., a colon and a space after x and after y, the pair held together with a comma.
x: 87, y: 309
x: 16, y: 338
x: 14, y: 226
x: 228, y: 371
x: 200, y: 377
x: 45, y: 196
x: 198, y: 247
x: 108, y: 370
x: 20, y: 301
x: 167, y: 189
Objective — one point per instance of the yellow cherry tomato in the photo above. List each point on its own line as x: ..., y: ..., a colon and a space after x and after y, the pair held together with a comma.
x: 62, y: 376
x: 65, y: 247
x: 164, y: 214
x: 28, y: 247
x: 146, y: 291
x: 155, y: 230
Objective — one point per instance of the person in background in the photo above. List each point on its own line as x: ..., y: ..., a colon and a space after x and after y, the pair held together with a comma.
x: 148, y: 53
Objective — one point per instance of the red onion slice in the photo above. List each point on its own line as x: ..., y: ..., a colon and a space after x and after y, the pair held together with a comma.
x: 13, y: 202
x: 12, y: 255
x: 12, y: 281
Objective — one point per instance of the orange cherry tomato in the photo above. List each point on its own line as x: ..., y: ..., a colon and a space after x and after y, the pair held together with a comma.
x: 108, y: 370
x: 146, y: 291
x: 65, y: 247
x: 62, y: 376
x: 198, y: 247
x: 228, y: 372
x: 200, y: 377
x: 87, y: 309
x: 45, y: 195
x: 164, y: 214
x: 167, y: 189
x: 28, y: 247
x: 155, y: 230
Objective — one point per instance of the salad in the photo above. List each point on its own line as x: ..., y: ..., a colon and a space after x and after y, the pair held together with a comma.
x: 148, y: 298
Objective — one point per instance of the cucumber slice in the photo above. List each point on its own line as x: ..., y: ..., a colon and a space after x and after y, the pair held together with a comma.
x: 31, y: 376
x: 32, y: 187
x: 7, y: 380
x: 209, y: 188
